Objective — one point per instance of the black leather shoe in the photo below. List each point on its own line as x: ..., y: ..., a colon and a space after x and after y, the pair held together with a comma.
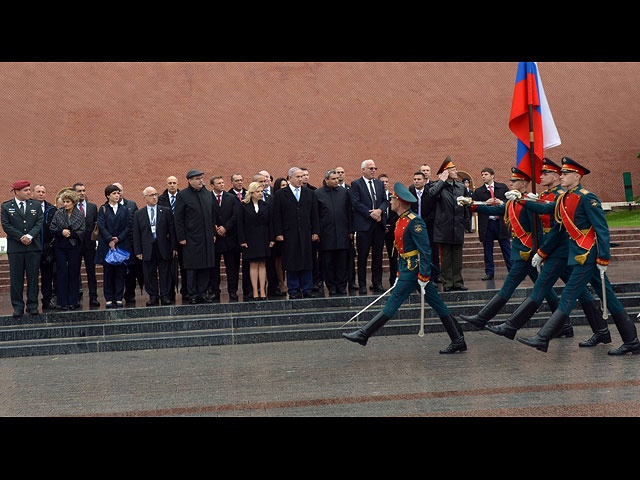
x: 455, y: 333
x: 166, y: 301
x: 456, y: 346
x: 94, y: 302
x: 632, y: 347
x: 597, y: 338
x: 362, y: 335
x: 309, y: 294
x: 549, y: 330
x: 362, y: 290
x: 487, y: 277
x: 378, y: 289
x: 153, y: 303
x: 460, y: 288
x: 486, y: 313
x: 233, y: 297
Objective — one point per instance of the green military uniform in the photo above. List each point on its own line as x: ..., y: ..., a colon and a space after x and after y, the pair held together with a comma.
x: 23, y: 258
x: 553, y: 268
x: 414, y: 265
x: 580, y: 213
x: 521, y: 222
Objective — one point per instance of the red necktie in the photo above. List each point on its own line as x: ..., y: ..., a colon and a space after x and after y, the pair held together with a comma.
x: 219, y: 199
x: 491, y: 190
x: 82, y: 209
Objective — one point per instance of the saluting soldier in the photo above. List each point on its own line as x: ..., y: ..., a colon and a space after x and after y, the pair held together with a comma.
x: 521, y: 222
x: 22, y: 222
x: 414, y: 270
x: 581, y: 215
x: 553, y: 268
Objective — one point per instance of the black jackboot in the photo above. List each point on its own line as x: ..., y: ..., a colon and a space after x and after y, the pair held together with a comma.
x: 627, y: 331
x: 487, y: 312
x: 362, y: 334
x: 548, y: 331
x: 452, y: 327
x: 522, y: 315
x: 599, y: 326
x: 567, y: 328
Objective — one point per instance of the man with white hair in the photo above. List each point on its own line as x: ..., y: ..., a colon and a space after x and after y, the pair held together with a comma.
x: 369, y: 222
x: 154, y: 245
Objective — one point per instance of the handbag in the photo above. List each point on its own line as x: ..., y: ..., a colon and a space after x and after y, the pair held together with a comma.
x: 95, y: 234
x: 117, y: 256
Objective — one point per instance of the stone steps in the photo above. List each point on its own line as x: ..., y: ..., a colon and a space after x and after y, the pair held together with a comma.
x: 174, y: 326
x: 627, y: 239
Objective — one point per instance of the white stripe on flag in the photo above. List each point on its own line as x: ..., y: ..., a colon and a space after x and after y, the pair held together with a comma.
x: 550, y: 134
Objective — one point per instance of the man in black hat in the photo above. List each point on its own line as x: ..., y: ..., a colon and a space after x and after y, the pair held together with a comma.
x: 22, y: 220
x: 414, y: 269
x: 195, y: 226
x: 581, y: 214
x: 449, y: 224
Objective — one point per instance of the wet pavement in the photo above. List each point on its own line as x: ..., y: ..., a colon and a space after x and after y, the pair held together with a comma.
x: 393, y: 376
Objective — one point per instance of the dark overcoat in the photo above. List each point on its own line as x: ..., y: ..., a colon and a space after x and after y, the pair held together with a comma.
x: 165, y: 233
x: 194, y: 220
x: 296, y: 222
x: 449, y: 221
x: 336, y: 218
x: 226, y: 216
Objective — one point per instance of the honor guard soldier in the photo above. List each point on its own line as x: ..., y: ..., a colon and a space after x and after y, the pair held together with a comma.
x: 521, y: 222
x: 553, y: 268
x: 581, y: 215
x: 414, y: 269
x: 22, y: 222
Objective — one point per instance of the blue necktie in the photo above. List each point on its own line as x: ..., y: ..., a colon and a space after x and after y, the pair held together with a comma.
x: 153, y: 221
x: 297, y: 194
x: 173, y: 201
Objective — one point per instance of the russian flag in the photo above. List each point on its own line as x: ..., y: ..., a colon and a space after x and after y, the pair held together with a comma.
x: 528, y: 91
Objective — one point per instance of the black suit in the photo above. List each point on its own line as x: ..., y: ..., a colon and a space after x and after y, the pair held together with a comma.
x: 369, y: 233
x: 296, y: 221
x: 165, y: 199
x: 493, y: 229
x: 427, y: 212
x: 47, y: 261
x: 156, y: 252
x: 88, y: 249
x: 227, y: 246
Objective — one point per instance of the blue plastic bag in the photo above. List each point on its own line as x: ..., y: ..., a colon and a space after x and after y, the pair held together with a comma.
x: 117, y: 256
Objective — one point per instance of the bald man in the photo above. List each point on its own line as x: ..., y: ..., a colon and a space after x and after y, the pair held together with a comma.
x: 167, y: 199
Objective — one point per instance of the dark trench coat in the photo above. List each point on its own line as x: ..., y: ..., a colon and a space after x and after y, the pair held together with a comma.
x: 195, y: 218
x: 336, y: 218
x: 296, y: 221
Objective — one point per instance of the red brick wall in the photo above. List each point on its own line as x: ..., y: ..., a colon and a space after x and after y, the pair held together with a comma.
x: 137, y: 123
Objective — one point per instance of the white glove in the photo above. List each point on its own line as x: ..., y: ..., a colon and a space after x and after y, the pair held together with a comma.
x: 533, y: 196
x: 464, y: 200
x: 423, y: 285
x: 602, y: 268
x: 536, y: 261
x: 513, y: 195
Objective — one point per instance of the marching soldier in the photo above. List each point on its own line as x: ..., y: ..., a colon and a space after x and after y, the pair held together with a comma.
x: 521, y: 223
x: 553, y: 268
x: 414, y: 268
x: 22, y: 222
x: 581, y: 215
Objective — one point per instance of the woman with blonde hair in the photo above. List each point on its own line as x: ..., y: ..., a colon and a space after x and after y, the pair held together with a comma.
x: 68, y: 227
x: 255, y: 237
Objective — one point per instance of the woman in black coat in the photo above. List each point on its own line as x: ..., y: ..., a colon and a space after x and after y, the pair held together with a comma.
x: 255, y: 237
x: 67, y: 226
x: 114, y: 222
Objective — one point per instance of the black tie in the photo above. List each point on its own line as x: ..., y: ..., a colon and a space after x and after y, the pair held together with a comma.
x: 373, y: 193
x: 22, y: 208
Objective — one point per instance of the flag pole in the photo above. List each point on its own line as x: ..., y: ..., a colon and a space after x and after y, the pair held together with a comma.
x: 532, y: 162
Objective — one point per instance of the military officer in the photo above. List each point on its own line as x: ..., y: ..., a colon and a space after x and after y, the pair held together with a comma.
x: 521, y: 222
x: 581, y: 215
x: 414, y: 269
x: 22, y: 222
x: 553, y: 268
